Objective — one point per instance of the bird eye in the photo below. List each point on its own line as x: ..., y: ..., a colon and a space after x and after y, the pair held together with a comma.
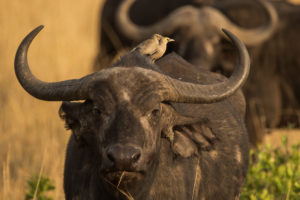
x: 155, y: 112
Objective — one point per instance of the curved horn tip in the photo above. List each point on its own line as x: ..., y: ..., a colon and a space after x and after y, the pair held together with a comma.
x: 233, y: 37
x: 28, y: 39
x: 40, y: 27
x: 35, y: 31
x: 23, y: 47
x: 228, y: 33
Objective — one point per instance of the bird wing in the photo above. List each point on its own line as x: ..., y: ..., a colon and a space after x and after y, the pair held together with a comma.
x: 154, y: 52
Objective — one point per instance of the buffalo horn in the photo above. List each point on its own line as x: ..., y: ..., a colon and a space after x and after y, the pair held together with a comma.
x: 186, y: 92
x: 189, y: 15
x: 56, y: 91
x: 254, y: 36
x: 175, y: 90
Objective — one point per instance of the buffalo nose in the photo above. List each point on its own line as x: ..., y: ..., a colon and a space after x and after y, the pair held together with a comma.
x: 123, y: 157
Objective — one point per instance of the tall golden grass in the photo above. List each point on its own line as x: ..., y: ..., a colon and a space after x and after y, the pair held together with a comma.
x: 32, y: 137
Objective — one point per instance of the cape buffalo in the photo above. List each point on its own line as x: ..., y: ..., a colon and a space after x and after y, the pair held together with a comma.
x: 144, y: 12
x: 195, y: 28
x: 272, y: 89
x: 146, y: 131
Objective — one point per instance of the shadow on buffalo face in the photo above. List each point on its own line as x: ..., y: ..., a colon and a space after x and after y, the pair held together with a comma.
x: 150, y: 131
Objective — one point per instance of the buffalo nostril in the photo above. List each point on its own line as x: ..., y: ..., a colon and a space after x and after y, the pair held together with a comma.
x: 110, y: 157
x: 123, y: 157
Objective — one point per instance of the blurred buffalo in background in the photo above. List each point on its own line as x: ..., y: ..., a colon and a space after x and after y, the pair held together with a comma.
x: 196, y: 29
x: 272, y: 90
x: 268, y: 28
x: 112, y: 42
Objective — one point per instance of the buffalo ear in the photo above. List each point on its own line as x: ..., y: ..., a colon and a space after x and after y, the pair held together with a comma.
x: 183, y: 145
x: 188, y: 135
x: 70, y: 112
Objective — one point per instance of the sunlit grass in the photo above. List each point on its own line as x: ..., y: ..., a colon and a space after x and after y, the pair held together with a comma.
x: 32, y: 137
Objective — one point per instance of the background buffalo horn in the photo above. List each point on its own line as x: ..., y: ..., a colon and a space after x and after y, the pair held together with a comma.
x: 56, y: 91
x: 185, y: 92
x: 254, y: 36
x: 186, y: 15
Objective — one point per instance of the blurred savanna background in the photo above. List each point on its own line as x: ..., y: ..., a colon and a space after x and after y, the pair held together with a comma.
x: 32, y: 136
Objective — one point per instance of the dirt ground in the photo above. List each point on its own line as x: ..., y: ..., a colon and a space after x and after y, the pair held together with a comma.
x: 274, y: 137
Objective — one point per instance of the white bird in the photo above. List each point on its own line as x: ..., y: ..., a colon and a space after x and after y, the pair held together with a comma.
x: 155, y: 47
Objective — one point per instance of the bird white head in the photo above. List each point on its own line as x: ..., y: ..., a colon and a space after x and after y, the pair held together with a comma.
x: 162, y: 39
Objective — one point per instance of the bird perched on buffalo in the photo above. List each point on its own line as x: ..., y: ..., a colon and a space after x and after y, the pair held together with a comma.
x: 154, y: 47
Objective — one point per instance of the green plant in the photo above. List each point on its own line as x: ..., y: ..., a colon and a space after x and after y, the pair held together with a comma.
x: 38, y: 188
x: 273, y: 173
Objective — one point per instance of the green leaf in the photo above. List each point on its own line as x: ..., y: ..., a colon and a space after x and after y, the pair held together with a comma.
x: 38, y: 186
x: 273, y: 174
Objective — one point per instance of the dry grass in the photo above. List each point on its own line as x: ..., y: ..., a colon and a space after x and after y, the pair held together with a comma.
x: 31, y: 133
x: 125, y: 193
x: 275, y: 137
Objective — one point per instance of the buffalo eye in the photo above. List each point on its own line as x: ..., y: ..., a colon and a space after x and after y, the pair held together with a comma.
x: 97, y: 111
x: 154, y: 116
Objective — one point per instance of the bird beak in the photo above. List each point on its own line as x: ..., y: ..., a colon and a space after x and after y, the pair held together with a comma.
x: 170, y: 40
